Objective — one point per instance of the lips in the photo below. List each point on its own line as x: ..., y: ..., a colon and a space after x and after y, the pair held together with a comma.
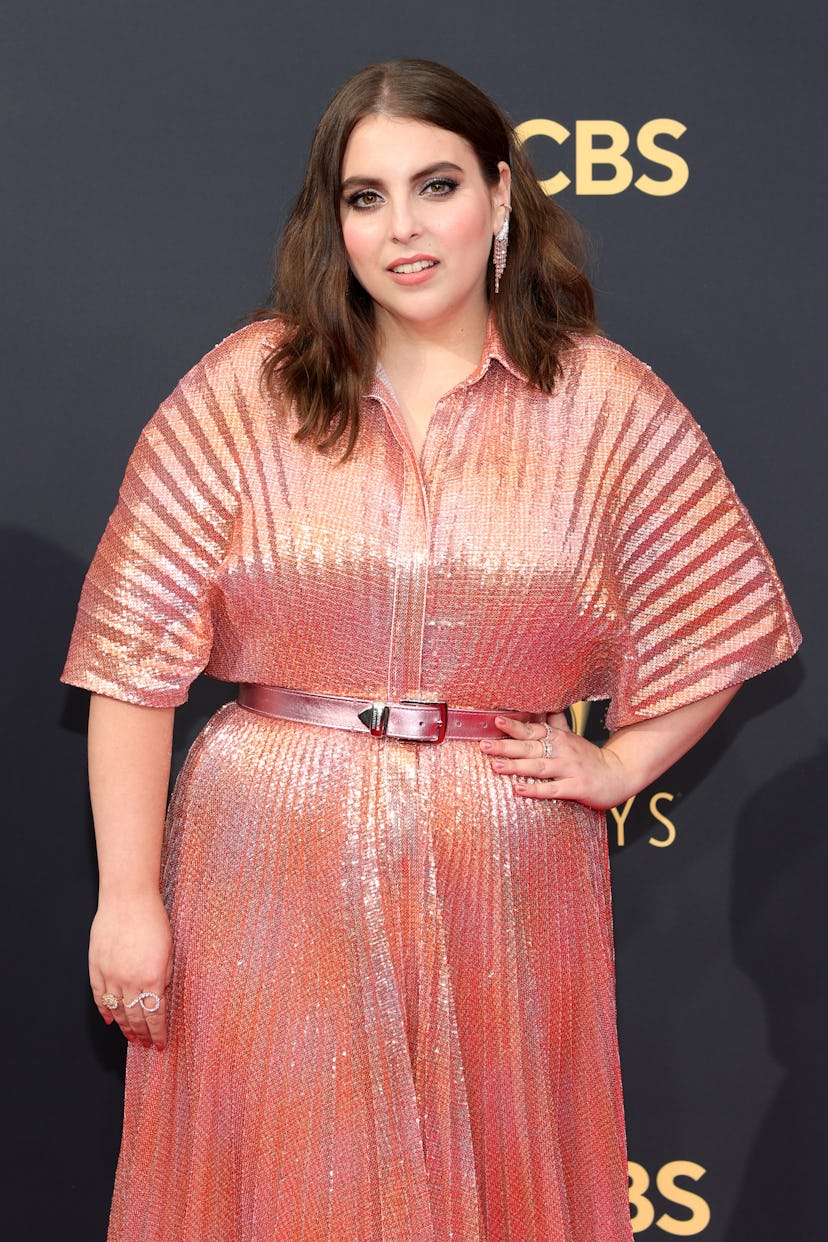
x: 409, y: 266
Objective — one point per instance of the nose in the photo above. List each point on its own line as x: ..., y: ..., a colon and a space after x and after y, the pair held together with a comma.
x: 404, y: 220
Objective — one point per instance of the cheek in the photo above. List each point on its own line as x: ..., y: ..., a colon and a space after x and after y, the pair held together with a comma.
x: 472, y: 232
x: 357, y: 242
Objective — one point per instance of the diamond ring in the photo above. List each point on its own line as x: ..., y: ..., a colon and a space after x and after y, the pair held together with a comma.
x: 141, y: 998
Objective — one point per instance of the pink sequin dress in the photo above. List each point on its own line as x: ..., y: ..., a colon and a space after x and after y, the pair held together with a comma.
x: 392, y: 1014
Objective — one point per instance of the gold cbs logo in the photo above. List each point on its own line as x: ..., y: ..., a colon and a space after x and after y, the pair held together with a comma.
x: 606, y: 145
x: 695, y: 1212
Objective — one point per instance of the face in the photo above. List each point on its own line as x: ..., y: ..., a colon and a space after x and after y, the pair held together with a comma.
x: 418, y: 221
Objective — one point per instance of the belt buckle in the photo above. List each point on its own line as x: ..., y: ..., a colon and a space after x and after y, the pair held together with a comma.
x: 375, y: 719
x: 443, y: 724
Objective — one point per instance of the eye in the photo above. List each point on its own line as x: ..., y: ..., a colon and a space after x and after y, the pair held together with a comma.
x: 363, y: 199
x: 439, y: 187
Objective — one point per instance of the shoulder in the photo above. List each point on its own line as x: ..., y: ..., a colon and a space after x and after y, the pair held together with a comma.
x: 621, y: 391
x: 610, y: 369
x: 220, y: 395
x: 238, y: 358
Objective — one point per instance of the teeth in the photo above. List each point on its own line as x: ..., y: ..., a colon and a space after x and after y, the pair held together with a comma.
x: 406, y: 268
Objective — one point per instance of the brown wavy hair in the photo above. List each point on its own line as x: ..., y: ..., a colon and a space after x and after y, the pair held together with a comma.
x: 327, y: 356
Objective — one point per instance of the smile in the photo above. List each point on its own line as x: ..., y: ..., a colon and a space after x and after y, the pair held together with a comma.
x: 406, y: 269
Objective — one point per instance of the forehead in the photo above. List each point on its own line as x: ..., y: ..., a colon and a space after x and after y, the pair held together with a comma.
x: 388, y: 144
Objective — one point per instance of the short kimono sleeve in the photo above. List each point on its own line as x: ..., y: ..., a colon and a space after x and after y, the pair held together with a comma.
x: 701, y: 603
x: 144, y: 628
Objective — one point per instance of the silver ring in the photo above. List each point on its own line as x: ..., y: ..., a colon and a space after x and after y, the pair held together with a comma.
x: 139, y: 1000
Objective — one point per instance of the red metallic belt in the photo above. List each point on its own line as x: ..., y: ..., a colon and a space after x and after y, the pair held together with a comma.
x: 407, y: 721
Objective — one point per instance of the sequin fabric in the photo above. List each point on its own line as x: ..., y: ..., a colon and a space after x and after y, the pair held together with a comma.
x: 392, y: 1014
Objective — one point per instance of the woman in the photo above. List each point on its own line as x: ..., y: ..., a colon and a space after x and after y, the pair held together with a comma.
x: 416, y: 509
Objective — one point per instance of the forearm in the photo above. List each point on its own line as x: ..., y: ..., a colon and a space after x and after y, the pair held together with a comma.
x: 130, y: 749
x: 648, y: 748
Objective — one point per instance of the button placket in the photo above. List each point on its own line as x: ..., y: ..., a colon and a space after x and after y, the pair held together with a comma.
x: 405, y: 650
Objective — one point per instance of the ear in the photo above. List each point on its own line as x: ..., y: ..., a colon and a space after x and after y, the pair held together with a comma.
x: 501, y: 194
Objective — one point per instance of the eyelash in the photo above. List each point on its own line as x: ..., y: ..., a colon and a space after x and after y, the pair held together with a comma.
x: 354, y: 200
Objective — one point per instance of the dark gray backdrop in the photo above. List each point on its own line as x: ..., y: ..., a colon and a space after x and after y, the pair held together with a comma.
x: 151, y: 151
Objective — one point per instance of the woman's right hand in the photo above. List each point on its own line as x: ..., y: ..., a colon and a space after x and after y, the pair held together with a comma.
x: 130, y: 952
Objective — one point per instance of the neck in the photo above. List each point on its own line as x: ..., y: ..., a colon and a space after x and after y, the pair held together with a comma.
x: 400, y: 342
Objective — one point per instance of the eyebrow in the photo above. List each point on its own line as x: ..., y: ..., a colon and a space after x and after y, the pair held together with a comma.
x: 443, y: 167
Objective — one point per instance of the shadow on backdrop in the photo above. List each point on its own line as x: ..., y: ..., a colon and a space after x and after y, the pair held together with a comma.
x: 778, y: 918
x: 63, y: 1097
x: 64, y: 1085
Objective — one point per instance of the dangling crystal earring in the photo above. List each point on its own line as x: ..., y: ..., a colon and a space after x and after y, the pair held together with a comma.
x: 501, y: 246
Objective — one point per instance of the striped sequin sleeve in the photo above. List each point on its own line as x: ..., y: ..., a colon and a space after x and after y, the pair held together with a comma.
x: 143, y: 630
x: 699, y: 596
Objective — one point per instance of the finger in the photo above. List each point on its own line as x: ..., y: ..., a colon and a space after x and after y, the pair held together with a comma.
x: 118, y: 1014
x: 521, y: 730
x: 107, y: 1003
x: 507, y: 748
x: 137, y: 1015
x: 558, y: 720
x: 543, y: 791
x: 157, y: 1025
x: 99, y: 991
x: 538, y: 769
x: 524, y: 739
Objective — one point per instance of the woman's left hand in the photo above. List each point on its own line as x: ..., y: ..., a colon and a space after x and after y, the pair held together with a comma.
x: 558, y: 763
x: 577, y: 770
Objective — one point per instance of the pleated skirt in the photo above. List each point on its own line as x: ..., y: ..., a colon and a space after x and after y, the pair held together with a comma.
x: 392, y: 1016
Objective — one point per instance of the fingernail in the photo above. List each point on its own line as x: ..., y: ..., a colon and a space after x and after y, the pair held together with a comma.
x: 485, y: 746
x: 498, y: 766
